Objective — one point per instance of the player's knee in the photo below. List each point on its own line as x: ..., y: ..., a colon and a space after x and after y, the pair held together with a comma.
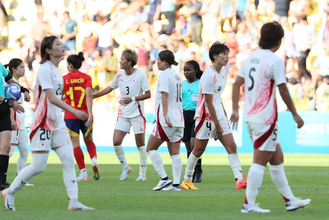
x: 117, y: 142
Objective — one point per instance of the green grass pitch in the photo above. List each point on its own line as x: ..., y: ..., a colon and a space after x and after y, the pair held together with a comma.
x: 216, y: 198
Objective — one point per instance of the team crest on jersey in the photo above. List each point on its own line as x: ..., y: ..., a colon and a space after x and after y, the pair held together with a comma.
x: 219, y: 88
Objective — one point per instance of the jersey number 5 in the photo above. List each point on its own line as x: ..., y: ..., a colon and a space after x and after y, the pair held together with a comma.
x: 71, y: 94
x: 252, y: 69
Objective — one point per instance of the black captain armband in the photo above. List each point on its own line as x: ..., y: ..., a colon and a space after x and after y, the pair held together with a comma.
x: 23, y: 89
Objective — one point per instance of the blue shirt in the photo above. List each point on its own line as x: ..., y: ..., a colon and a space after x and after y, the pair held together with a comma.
x: 3, y: 73
x: 190, y: 93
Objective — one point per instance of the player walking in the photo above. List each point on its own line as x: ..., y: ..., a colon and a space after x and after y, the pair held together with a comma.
x: 134, y: 88
x: 48, y: 128
x: 261, y: 73
x: 169, y: 125
x: 211, y: 119
x: 78, y: 94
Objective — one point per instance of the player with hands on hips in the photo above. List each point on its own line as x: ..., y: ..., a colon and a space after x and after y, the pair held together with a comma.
x: 211, y: 119
x: 48, y: 128
x: 134, y: 88
x: 261, y: 73
x: 78, y: 94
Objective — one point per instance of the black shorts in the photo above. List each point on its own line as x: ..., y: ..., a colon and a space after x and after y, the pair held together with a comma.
x: 5, y: 122
x: 189, y: 124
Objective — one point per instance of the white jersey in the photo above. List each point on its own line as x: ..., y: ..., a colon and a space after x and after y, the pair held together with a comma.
x: 19, y: 117
x: 47, y: 115
x: 213, y: 83
x: 170, y: 82
x: 131, y: 86
x: 262, y: 72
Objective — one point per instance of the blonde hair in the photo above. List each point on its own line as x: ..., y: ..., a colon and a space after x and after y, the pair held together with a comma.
x: 131, y: 56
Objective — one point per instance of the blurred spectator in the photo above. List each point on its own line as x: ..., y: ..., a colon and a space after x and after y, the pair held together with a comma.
x: 265, y: 8
x: 71, y: 29
x: 183, y: 29
x: 110, y: 65
x: 194, y: 10
x: 227, y: 12
x: 322, y: 94
x: 168, y: 16
x: 3, y: 17
x: 89, y: 42
x: 241, y: 7
x: 39, y: 29
x: 323, y: 34
x: 30, y: 54
x: 321, y: 66
x: 104, y: 33
x: 143, y: 56
x: 304, y: 38
x: 93, y: 8
x: 140, y: 23
x: 233, y: 45
x: 244, y: 36
x: 281, y: 10
x: 210, y: 9
x: 298, y: 8
x: 55, y: 24
x: 154, y: 14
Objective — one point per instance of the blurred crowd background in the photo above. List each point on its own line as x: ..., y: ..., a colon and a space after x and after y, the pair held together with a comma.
x: 101, y: 29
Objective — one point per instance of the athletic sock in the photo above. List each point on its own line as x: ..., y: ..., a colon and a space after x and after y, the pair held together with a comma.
x: 190, y: 165
x: 142, y: 160
x: 176, y: 168
x: 79, y: 157
x: 121, y: 155
x: 4, y: 160
x: 280, y: 180
x: 236, y: 166
x: 39, y: 163
x: 254, y: 180
x: 65, y: 154
x: 23, y: 152
x: 91, y: 148
x: 157, y: 163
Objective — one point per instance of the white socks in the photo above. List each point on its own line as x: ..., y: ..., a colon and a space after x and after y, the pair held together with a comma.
x: 157, y: 163
x: 142, y: 160
x: 280, y: 180
x: 176, y: 168
x: 236, y: 166
x: 65, y: 154
x: 254, y: 180
x: 190, y: 165
x: 38, y: 165
x: 121, y: 155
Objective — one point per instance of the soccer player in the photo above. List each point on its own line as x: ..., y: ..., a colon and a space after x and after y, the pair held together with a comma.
x: 190, y: 91
x: 78, y: 94
x: 16, y: 68
x: 5, y: 123
x: 261, y: 73
x: 169, y: 121
x: 211, y: 119
x: 48, y: 128
x: 134, y: 88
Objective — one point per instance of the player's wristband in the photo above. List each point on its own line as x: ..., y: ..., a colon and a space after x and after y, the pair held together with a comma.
x: 133, y: 98
x: 23, y: 89
x: 8, y: 102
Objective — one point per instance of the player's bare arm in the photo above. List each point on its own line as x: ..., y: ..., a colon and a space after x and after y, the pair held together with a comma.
x: 235, y: 101
x: 127, y: 100
x: 165, y: 102
x: 284, y: 92
x: 105, y: 91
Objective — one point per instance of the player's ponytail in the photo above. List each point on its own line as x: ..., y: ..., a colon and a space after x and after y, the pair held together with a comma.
x: 13, y: 63
x: 168, y: 56
x: 76, y: 60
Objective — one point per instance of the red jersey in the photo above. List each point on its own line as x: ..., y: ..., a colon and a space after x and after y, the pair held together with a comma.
x: 75, y: 84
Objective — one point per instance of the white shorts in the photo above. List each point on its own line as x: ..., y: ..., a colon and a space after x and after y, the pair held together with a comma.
x: 43, y: 139
x: 205, y: 129
x: 165, y: 133
x: 15, y: 137
x: 264, y: 136
x: 138, y: 124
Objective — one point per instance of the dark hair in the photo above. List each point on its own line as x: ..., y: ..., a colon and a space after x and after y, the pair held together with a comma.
x: 131, y: 56
x: 76, y: 60
x: 46, y: 43
x: 168, y: 56
x: 270, y: 35
x: 217, y: 48
x: 196, y: 66
x: 13, y: 63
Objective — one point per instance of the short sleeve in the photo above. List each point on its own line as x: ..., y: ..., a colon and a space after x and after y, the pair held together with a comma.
x: 115, y: 83
x: 145, y: 83
x: 164, y: 82
x: 45, y: 78
x: 279, y: 73
x: 89, y: 82
x: 207, y: 83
